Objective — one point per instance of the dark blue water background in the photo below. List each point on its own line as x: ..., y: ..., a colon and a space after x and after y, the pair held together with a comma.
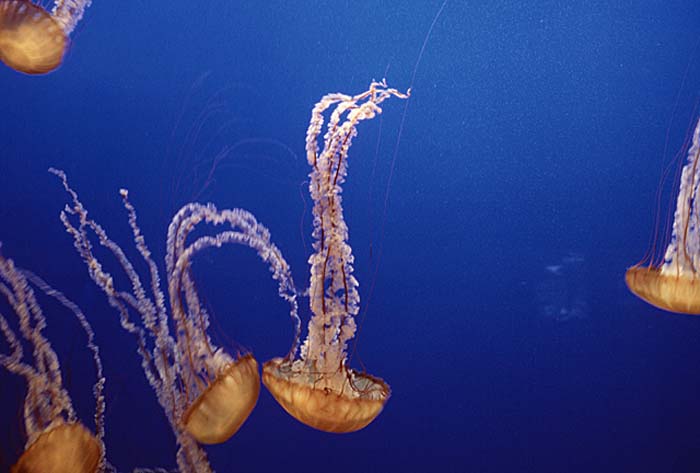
x: 524, y: 186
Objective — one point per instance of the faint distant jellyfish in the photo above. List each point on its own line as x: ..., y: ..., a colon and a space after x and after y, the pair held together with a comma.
x: 206, y: 393
x: 674, y: 283
x: 34, y: 40
x: 56, y: 441
x: 318, y: 388
x: 561, y: 293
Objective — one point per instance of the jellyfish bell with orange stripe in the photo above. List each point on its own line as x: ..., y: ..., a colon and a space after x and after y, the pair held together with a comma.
x: 34, y: 40
x: 673, y: 284
x: 319, y: 388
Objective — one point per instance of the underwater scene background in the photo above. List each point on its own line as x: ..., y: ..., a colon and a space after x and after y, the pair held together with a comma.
x: 491, y: 278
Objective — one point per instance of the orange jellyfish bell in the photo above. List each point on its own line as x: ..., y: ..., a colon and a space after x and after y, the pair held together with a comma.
x: 31, y: 40
x: 34, y: 40
x: 225, y: 404
x: 346, y: 401
x: 67, y: 448
x: 675, y: 293
x: 674, y: 283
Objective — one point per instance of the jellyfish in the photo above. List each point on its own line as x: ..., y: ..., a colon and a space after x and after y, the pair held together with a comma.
x: 205, y: 392
x: 34, y: 40
x: 674, y: 283
x: 562, y: 290
x: 318, y: 388
x: 56, y: 440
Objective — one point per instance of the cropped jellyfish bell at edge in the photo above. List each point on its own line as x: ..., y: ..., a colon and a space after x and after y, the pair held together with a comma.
x: 34, y: 40
x: 318, y: 388
x: 57, y: 441
x: 205, y: 392
x: 674, y: 283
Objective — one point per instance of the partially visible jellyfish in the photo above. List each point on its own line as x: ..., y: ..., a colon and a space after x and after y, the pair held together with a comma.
x: 674, y: 283
x: 318, y: 388
x: 205, y: 392
x: 34, y: 40
x: 57, y: 441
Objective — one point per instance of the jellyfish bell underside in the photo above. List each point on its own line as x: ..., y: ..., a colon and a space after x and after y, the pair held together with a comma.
x: 337, y: 409
x: 222, y: 408
x: 67, y: 448
x: 31, y: 41
x: 673, y: 292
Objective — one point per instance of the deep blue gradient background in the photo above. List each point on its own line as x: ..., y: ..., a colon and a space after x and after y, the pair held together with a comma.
x: 536, y: 131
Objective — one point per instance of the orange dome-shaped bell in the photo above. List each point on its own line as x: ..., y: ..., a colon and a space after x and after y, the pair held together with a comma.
x: 31, y: 41
x: 222, y: 408
x: 348, y: 407
x: 675, y: 293
x: 68, y: 448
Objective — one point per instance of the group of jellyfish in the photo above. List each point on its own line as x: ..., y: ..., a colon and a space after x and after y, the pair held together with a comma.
x: 205, y: 392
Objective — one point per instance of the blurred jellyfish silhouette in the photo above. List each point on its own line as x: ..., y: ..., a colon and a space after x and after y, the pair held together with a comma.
x: 57, y: 441
x: 562, y: 292
x: 34, y: 40
x: 205, y: 392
